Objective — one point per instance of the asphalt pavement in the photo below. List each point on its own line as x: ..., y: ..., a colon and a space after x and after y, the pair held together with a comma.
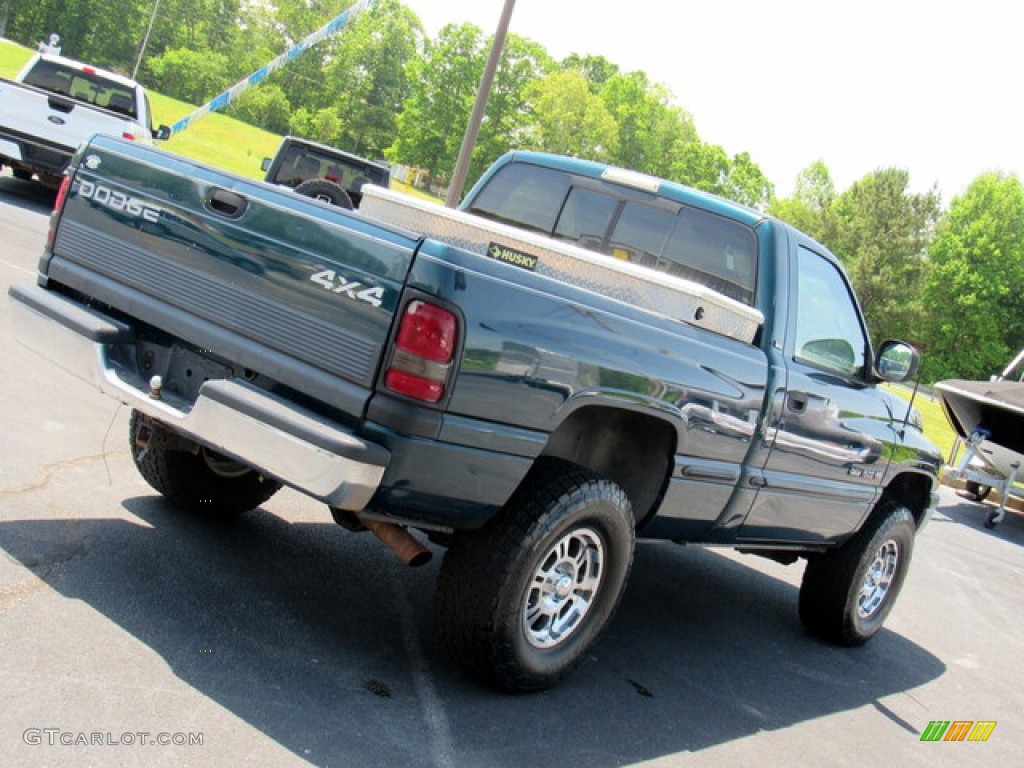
x: 131, y: 634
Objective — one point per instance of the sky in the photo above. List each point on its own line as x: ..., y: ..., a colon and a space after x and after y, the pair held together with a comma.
x: 934, y: 87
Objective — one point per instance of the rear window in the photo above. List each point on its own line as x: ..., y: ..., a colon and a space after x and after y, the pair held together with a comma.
x: 633, y: 226
x: 524, y: 195
x: 301, y: 163
x: 83, y: 86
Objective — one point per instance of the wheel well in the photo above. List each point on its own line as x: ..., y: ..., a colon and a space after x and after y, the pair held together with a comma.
x: 634, y: 450
x: 912, y: 490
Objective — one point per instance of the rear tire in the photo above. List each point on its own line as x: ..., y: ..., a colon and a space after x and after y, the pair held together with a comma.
x: 520, y: 601
x: 201, y: 481
x: 21, y: 173
x: 847, y: 593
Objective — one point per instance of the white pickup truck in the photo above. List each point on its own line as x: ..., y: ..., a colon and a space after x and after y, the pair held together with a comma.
x: 54, y: 104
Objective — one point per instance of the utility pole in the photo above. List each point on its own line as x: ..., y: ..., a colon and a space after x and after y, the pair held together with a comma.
x: 479, y: 107
x: 145, y: 40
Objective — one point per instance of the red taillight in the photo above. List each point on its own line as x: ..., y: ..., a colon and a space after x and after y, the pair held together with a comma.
x: 424, y: 348
x: 427, y: 331
x: 129, y: 136
x: 89, y: 70
x: 410, y: 384
x: 62, y: 195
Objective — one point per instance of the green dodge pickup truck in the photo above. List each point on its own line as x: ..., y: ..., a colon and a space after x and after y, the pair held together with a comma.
x: 578, y: 357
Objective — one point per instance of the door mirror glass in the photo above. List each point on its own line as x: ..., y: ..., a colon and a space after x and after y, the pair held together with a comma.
x: 896, y: 361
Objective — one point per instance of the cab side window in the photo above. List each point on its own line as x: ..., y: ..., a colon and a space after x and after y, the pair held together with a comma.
x: 829, y: 333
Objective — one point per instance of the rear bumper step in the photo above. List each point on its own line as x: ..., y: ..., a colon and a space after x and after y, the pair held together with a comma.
x: 283, y: 440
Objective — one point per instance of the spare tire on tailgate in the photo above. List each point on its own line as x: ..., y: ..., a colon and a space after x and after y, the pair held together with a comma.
x: 327, y: 191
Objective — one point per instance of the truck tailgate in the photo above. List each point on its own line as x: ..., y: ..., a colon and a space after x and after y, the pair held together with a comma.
x: 292, y: 288
x: 56, y: 119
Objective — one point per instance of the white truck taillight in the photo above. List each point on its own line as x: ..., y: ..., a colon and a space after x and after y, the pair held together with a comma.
x: 424, y: 349
x: 132, y: 131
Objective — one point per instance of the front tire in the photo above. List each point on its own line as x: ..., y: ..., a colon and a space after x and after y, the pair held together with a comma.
x: 200, y: 481
x: 847, y: 593
x: 520, y: 601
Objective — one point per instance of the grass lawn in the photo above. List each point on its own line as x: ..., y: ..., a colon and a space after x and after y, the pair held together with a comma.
x: 936, y: 426
x: 12, y: 58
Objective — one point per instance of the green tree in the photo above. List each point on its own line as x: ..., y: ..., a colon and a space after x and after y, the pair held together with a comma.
x: 266, y: 107
x: 189, y: 75
x: 508, y: 117
x: 810, y: 208
x: 568, y: 119
x: 975, y: 288
x: 365, y: 80
x: 699, y: 165
x: 649, y: 127
x: 596, y: 69
x: 746, y: 183
x: 882, y: 235
x: 443, y: 86
x: 303, y: 79
x: 103, y: 33
x: 708, y: 167
x: 321, y: 125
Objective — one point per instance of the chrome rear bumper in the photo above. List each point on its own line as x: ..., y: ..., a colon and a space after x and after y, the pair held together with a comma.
x: 279, y: 438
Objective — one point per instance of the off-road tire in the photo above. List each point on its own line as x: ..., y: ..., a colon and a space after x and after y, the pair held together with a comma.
x: 520, y: 601
x: 200, y: 481
x: 847, y: 592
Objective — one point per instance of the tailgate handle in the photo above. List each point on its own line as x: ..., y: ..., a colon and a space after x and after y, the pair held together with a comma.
x: 226, y: 203
x: 58, y: 104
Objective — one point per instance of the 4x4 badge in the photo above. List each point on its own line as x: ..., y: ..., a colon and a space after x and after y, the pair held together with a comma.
x: 336, y: 283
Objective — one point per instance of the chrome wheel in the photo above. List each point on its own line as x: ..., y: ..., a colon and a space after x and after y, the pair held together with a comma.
x: 878, y: 579
x: 563, y: 588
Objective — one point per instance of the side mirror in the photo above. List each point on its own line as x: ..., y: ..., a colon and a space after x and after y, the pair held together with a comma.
x: 265, y: 165
x: 163, y: 133
x: 896, y: 361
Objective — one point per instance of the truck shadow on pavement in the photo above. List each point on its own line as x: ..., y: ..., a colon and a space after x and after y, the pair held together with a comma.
x: 972, y: 514
x: 29, y: 195
x: 322, y: 641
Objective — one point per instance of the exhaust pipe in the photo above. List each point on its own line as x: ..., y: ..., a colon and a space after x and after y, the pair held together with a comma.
x: 399, y: 541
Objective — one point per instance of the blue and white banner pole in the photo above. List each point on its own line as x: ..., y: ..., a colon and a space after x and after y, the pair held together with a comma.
x: 261, y: 74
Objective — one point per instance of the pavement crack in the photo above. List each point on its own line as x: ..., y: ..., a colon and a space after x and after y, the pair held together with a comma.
x: 51, y: 472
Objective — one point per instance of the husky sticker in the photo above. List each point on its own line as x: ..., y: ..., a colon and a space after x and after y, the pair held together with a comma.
x: 512, y: 256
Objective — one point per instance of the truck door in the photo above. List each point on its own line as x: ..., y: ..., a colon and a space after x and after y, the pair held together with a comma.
x: 827, y: 433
